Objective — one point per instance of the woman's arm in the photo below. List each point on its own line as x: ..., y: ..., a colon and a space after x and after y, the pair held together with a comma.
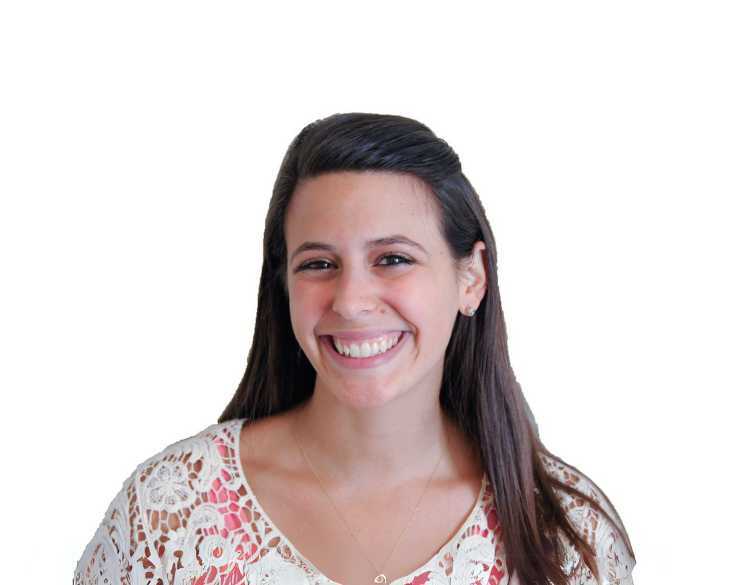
x: 614, y: 562
x: 119, y: 551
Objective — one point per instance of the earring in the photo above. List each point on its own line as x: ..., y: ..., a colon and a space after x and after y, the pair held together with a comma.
x: 469, y: 311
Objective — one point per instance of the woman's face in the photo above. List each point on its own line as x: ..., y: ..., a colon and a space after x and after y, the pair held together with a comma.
x: 344, y: 283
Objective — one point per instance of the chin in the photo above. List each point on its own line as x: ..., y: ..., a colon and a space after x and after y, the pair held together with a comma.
x: 363, y: 396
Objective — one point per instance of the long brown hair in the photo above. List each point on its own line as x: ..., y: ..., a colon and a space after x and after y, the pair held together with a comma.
x: 479, y: 389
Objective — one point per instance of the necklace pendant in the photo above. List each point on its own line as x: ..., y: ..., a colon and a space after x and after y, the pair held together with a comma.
x: 380, y: 579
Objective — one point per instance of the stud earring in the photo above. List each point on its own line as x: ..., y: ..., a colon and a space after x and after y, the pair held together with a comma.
x: 469, y: 311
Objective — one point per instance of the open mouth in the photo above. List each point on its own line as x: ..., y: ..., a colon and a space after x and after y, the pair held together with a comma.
x: 359, y: 361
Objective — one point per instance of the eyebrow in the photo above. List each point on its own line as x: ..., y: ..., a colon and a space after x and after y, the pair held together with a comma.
x: 386, y: 241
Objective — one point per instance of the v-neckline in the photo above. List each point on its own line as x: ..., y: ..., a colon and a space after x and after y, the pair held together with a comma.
x: 314, y: 569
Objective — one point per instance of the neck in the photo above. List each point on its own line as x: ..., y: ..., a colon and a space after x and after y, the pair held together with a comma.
x: 381, y: 446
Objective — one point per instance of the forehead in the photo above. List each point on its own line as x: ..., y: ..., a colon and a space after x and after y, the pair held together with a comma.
x: 354, y: 205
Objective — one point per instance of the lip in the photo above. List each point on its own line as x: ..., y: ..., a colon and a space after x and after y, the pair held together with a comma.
x: 362, y: 334
x: 362, y: 363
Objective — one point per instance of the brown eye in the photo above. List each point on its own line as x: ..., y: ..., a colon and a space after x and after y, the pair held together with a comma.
x: 307, y: 265
x: 403, y: 260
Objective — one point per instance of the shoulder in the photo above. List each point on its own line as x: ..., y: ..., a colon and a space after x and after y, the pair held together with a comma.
x: 171, y: 479
x: 184, y: 494
x: 181, y: 489
x: 217, y: 437
x: 608, y: 539
x: 161, y: 505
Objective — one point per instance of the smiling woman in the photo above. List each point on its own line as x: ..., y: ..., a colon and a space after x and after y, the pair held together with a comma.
x: 378, y: 434
x: 357, y: 298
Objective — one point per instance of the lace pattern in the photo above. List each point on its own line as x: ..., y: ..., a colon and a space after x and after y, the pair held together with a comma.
x: 614, y: 561
x: 120, y: 552
x: 187, y: 517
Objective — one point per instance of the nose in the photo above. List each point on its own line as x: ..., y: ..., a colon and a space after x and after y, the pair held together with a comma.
x: 354, y: 294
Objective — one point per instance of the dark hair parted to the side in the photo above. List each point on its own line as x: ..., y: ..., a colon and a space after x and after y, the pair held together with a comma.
x: 479, y: 389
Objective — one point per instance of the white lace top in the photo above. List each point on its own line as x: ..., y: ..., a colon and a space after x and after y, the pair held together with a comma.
x: 187, y: 516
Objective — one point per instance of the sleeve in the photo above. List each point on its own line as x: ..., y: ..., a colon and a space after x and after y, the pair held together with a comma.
x: 119, y: 551
x: 614, y: 561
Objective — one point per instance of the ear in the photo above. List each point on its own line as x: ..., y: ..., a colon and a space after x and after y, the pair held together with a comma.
x: 473, y: 279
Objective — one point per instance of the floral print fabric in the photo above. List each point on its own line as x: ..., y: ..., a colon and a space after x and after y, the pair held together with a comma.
x: 187, y: 516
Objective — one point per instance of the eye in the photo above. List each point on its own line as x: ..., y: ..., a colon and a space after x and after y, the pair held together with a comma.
x: 307, y: 265
x: 402, y: 260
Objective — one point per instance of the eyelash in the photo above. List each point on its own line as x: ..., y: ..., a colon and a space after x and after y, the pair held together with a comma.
x: 405, y: 260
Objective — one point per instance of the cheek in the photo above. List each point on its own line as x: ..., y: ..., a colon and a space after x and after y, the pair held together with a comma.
x: 428, y: 306
x: 430, y: 290
x: 305, y: 297
x: 307, y: 306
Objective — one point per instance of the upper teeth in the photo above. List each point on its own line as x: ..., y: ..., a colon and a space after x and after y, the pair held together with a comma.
x: 367, y: 348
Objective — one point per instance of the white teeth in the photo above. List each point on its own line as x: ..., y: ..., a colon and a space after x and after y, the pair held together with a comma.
x: 366, y: 349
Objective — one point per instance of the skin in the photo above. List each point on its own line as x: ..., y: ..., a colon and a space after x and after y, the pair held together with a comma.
x: 384, y: 425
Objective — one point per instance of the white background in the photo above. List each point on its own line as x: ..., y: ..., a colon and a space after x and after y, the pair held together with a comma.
x: 139, y: 142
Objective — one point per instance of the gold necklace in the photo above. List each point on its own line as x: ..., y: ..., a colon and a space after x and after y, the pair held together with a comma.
x: 381, y: 578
